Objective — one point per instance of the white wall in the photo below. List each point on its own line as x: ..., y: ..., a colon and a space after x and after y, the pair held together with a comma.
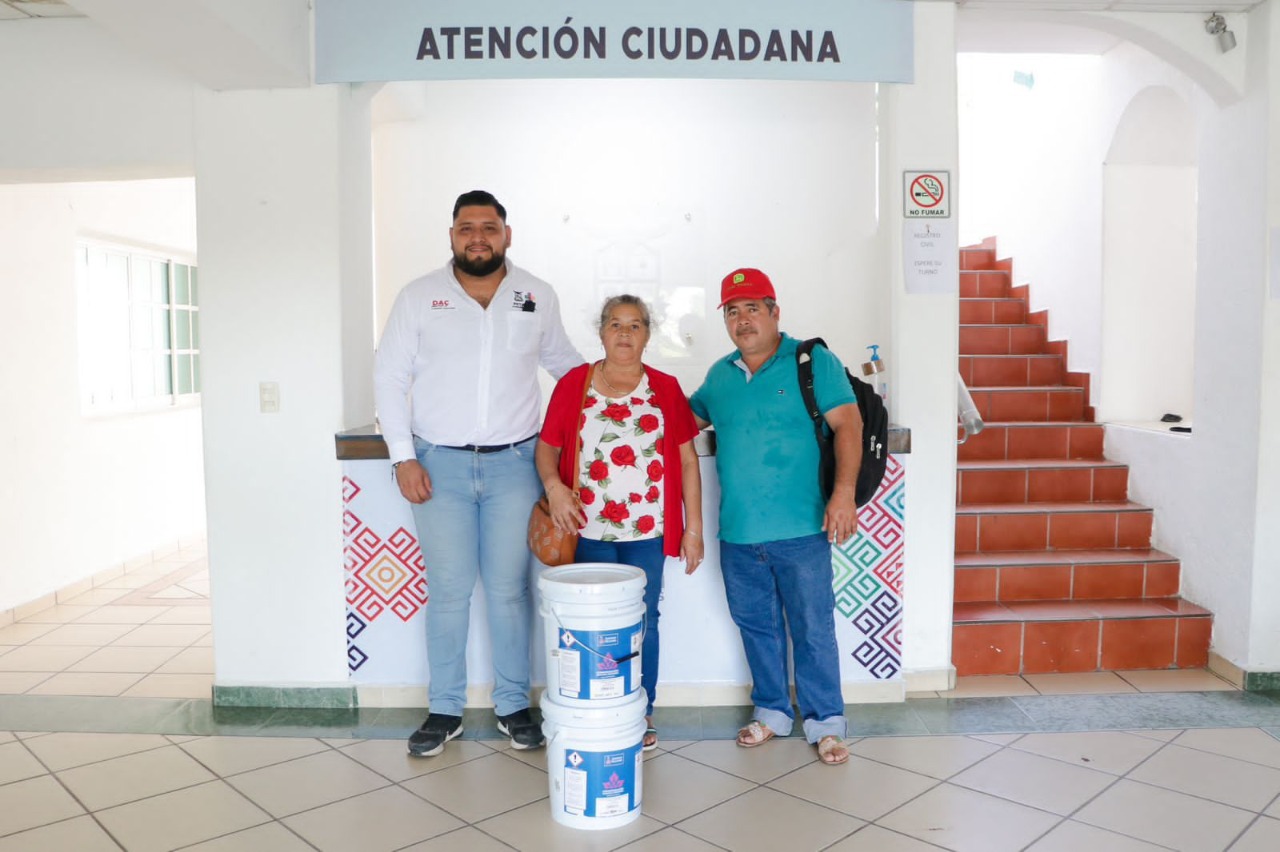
x: 83, y: 494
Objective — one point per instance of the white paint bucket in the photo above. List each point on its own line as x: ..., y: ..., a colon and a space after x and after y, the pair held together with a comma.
x: 594, y: 762
x: 594, y: 617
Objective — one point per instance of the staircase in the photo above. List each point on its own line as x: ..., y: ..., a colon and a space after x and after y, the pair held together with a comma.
x: 1054, y: 566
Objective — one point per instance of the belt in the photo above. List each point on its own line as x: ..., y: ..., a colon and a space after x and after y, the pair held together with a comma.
x: 487, y: 448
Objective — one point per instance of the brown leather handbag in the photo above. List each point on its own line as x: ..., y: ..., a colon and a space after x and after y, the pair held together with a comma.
x: 551, y: 545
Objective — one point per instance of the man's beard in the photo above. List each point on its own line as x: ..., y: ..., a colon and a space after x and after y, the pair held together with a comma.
x: 479, y: 268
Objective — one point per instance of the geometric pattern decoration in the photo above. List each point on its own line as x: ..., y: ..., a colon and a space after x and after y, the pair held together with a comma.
x: 868, y: 575
x: 381, y: 575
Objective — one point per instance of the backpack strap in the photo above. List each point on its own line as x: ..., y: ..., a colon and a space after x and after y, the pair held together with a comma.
x: 804, y: 366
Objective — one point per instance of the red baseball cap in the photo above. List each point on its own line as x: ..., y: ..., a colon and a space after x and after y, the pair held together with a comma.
x: 745, y: 283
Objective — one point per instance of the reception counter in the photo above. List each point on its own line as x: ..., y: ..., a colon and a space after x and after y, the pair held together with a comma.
x: 702, y: 662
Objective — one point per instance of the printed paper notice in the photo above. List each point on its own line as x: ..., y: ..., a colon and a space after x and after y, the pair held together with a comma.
x: 930, y: 256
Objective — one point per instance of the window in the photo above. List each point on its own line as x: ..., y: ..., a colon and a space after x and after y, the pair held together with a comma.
x: 139, y: 329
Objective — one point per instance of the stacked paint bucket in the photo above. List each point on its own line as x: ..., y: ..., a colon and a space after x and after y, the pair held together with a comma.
x: 593, y: 708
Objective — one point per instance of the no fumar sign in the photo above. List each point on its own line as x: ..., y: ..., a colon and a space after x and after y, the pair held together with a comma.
x: 926, y: 195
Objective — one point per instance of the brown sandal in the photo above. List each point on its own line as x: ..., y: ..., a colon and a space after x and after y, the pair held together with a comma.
x: 832, y: 750
x: 755, y: 734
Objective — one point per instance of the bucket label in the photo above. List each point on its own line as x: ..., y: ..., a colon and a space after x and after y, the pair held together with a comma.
x: 597, y: 664
x: 602, y: 783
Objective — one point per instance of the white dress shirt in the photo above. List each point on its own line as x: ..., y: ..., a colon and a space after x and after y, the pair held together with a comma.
x: 454, y: 373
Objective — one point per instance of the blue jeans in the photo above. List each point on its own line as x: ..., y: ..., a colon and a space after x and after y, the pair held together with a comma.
x: 792, y: 577
x: 646, y: 555
x: 473, y: 526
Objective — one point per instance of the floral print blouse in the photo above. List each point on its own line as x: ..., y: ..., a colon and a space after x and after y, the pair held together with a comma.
x: 620, y: 468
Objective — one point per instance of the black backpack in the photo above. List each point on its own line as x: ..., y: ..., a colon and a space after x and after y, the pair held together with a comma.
x: 875, y: 428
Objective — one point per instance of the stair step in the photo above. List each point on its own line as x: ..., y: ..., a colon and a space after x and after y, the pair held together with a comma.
x: 1079, y: 636
x: 1012, y: 370
x: 1012, y: 339
x: 1010, y: 311
x: 1066, y: 575
x: 984, y: 284
x: 976, y: 257
x: 1040, y: 403
x: 1047, y: 440
x: 1041, y: 481
x: 987, y: 527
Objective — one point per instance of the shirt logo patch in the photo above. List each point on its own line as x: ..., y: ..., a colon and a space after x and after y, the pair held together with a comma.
x: 524, y: 302
x: 441, y: 305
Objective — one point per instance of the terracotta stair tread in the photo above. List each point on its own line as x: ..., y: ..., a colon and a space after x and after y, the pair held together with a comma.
x: 1098, y: 556
x: 1038, y: 424
x: 1076, y: 610
x: 1037, y: 464
x: 1026, y: 389
x: 1042, y: 508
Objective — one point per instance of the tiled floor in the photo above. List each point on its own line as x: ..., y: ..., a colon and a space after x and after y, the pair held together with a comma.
x: 1054, y: 763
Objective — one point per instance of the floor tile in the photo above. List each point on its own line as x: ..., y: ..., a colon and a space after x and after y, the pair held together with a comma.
x: 172, y: 686
x: 391, y: 759
x: 380, y: 821
x: 85, y: 683
x: 23, y: 632
x: 481, y: 788
x: 1262, y: 836
x: 1039, y: 782
x: 1080, y: 683
x: 47, y: 658
x: 968, y: 821
x: 233, y: 755
x: 185, y: 615
x: 81, y: 834
x: 669, y: 840
x: 305, y: 783
x: 1076, y: 836
x: 189, y: 661
x: 33, y: 803
x: 793, y: 824
x: 139, y: 660
x: 760, y: 764
x: 96, y: 597
x: 1249, y: 744
x: 181, y: 818
x: 676, y: 788
x: 1164, y: 817
x: 1115, y: 752
x: 937, y: 757
x: 466, y: 839
x: 153, y: 635
x: 135, y: 776
x: 531, y: 829
x: 16, y: 683
x: 82, y: 634
x: 861, y: 788
x: 270, y: 836
x: 61, y: 751
x: 975, y: 715
x: 1211, y: 776
x: 60, y: 614
x: 988, y: 686
x: 1188, y: 680
x: 16, y: 763
x: 873, y: 838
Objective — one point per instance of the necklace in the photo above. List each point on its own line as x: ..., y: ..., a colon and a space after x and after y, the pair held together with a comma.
x: 607, y: 383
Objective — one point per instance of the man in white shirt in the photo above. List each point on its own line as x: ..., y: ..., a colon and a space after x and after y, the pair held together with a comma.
x: 455, y: 380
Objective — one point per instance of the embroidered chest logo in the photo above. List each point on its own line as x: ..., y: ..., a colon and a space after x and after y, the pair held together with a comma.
x: 524, y: 302
x: 441, y: 305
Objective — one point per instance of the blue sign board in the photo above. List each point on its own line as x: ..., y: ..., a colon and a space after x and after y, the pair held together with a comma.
x: 378, y: 40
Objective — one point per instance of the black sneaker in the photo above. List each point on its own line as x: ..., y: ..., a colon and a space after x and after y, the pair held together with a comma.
x: 438, y: 729
x: 524, y: 732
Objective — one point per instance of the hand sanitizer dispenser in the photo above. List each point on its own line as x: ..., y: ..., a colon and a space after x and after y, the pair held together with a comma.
x: 874, y: 371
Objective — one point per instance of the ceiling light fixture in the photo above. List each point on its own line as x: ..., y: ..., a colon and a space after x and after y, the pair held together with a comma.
x: 1216, y: 25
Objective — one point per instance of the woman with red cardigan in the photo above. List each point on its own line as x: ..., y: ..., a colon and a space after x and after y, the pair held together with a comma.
x: 636, y: 497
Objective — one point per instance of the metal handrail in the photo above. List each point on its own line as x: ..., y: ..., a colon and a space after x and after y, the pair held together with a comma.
x: 966, y: 411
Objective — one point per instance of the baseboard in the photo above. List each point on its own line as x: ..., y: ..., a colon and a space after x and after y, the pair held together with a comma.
x: 930, y: 680
x: 311, y: 697
x: 1226, y: 670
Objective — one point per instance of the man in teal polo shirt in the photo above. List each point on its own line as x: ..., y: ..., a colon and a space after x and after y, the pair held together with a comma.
x: 776, y: 529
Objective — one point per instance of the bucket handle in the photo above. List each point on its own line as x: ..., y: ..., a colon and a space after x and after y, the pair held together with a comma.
x: 644, y: 626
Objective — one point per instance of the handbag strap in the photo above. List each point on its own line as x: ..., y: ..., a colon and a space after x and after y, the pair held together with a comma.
x: 577, y: 438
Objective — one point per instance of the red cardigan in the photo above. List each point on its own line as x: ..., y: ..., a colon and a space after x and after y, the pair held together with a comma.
x: 561, y: 429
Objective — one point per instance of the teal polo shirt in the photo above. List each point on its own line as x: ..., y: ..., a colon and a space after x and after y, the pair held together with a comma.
x: 766, y: 453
